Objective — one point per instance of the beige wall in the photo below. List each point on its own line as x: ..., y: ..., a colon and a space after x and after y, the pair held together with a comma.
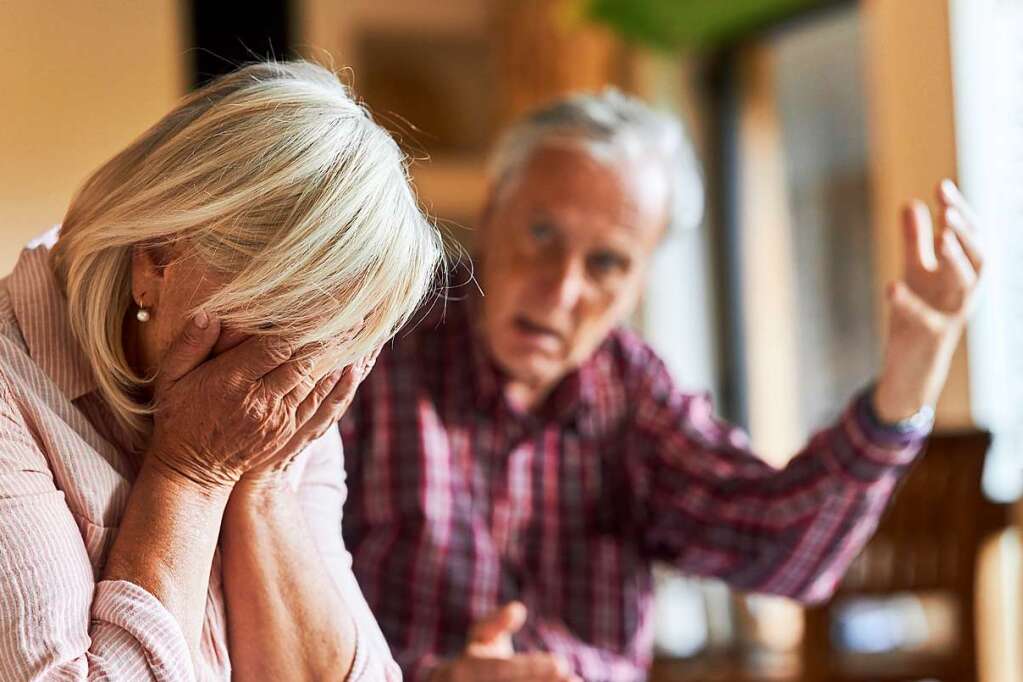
x: 913, y: 143
x: 80, y: 80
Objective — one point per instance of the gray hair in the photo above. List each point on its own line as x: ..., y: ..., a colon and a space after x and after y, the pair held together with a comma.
x: 612, y: 127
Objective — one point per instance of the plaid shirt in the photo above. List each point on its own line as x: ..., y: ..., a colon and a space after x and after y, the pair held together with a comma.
x: 458, y: 503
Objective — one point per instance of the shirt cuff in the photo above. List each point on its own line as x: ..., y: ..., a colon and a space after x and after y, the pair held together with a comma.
x: 128, y: 607
x: 868, y: 451
x: 898, y: 435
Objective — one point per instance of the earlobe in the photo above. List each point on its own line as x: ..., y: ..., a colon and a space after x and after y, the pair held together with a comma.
x: 147, y: 274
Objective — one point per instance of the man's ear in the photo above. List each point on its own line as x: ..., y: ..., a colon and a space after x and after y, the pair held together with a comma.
x: 148, y: 266
x: 487, y: 214
x: 495, y: 194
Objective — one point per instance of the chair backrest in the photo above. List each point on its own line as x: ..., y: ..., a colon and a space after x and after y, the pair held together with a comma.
x: 929, y: 537
x: 928, y: 541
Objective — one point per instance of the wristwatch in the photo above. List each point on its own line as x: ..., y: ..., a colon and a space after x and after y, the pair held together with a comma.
x: 921, y: 420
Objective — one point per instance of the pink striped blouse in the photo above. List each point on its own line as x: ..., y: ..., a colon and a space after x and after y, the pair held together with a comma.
x: 64, y: 481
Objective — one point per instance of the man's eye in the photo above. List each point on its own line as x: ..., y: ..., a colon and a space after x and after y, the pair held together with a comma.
x: 540, y: 232
x: 606, y: 262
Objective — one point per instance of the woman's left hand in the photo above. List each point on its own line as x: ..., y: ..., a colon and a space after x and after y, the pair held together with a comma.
x: 320, y: 411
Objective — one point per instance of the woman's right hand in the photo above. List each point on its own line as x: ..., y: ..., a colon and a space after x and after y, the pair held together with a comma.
x: 218, y: 418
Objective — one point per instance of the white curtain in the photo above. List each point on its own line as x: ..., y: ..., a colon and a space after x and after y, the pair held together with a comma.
x: 987, y: 48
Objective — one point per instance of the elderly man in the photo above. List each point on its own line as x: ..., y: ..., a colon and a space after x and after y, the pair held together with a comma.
x: 518, y: 459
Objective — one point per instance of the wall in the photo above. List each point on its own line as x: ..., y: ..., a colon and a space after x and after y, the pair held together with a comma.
x: 913, y: 142
x: 80, y: 81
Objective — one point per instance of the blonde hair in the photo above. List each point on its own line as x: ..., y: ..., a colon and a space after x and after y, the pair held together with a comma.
x: 275, y: 176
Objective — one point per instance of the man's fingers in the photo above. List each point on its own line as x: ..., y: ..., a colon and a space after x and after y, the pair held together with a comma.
x: 903, y: 297
x: 949, y: 195
x: 967, y: 236
x: 908, y: 306
x: 918, y: 238
x: 541, y: 666
x: 535, y: 667
x: 505, y: 621
x: 190, y: 349
x: 959, y: 272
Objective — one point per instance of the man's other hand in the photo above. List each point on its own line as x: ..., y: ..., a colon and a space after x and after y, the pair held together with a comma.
x: 490, y: 656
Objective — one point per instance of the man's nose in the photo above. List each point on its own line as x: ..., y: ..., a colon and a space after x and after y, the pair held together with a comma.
x: 567, y: 285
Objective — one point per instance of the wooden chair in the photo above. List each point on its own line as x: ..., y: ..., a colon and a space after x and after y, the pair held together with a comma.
x: 927, y: 542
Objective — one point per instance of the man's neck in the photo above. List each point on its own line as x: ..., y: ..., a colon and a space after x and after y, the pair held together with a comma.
x: 524, y: 396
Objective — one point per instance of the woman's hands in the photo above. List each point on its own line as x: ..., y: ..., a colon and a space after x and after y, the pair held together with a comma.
x: 249, y: 410
x: 321, y: 410
x: 240, y: 416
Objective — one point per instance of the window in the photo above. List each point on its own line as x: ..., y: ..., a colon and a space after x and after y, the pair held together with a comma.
x: 988, y: 62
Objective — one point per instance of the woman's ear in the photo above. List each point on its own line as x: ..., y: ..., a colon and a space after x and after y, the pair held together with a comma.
x: 148, y: 264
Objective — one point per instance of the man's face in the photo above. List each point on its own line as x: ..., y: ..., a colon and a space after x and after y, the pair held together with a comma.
x: 564, y: 249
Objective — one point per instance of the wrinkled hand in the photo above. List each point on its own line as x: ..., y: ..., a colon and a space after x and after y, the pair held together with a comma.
x: 326, y: 403
x: 931, y: 304
x: 490, y: 657
x: 217, y: 419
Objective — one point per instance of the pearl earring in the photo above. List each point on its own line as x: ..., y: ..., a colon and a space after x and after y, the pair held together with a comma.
x: 142, y: 315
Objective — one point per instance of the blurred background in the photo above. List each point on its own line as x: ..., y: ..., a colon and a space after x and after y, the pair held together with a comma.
x: 815, y: 119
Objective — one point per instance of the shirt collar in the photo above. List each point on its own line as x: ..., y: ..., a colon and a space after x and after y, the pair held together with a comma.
x: 42, y: 315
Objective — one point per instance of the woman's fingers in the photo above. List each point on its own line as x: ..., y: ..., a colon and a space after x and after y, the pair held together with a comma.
x: 324, y: 406
x: 367, y: 363
x: 327, y: 402
x: 190, y: 349
x: 255, y: 357
x: 293, y: 378
x: 340, y: 397
x: 308, y: 407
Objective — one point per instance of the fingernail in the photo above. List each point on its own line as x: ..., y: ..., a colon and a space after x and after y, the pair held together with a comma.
x: 202, y: 319
x: 948, y: 187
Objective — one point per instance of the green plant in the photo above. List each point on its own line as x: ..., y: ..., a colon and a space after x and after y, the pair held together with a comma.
x: 674, y: 24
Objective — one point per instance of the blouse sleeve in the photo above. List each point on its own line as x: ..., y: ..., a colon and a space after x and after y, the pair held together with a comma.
x: 56, y: 621
x: 322, y: 492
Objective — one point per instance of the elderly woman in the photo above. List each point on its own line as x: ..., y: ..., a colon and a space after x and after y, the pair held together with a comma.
x: 170, y: 489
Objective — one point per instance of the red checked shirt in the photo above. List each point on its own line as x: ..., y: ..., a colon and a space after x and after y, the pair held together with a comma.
x: 458, y: 503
